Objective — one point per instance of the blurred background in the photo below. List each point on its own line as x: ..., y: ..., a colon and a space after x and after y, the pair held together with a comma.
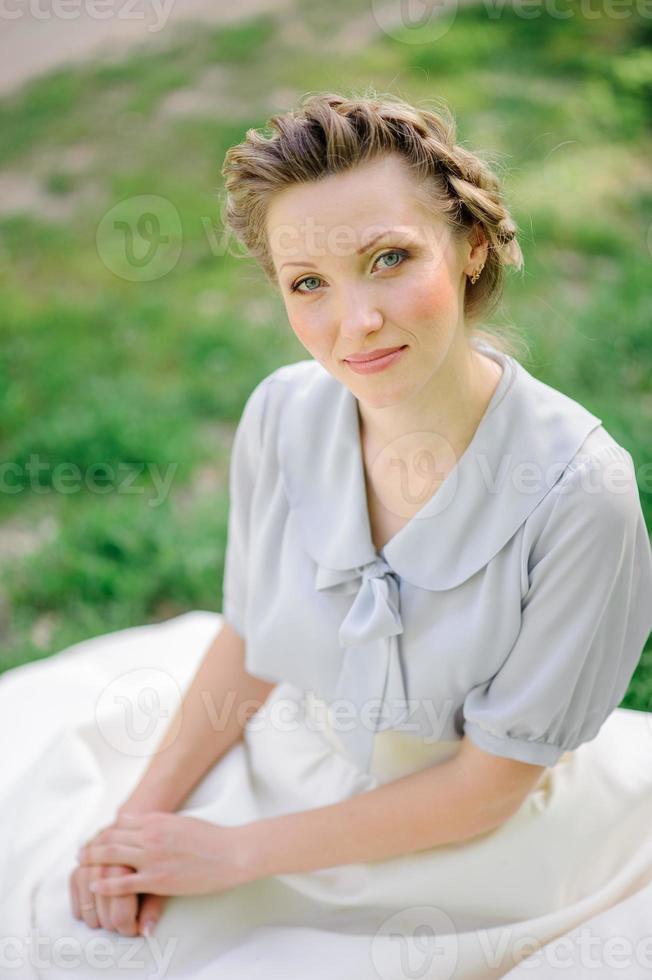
x: 129, y: 337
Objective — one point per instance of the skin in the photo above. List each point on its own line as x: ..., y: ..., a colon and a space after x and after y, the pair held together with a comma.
x: 118, y: 914
x: 348, y: 303
x: 170, y: 854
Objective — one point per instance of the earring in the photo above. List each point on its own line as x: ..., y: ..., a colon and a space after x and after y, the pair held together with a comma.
x: 476, y: 275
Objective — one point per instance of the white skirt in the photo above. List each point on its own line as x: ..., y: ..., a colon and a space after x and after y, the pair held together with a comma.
x: 564, y: 885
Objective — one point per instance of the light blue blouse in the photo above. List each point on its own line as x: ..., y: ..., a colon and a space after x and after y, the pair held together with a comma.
x: 513, y: 607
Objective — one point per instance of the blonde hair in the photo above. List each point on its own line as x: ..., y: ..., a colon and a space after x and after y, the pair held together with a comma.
x: 328, y: 133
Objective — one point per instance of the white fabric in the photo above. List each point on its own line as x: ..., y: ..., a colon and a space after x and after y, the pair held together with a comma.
x: 77, y: 730
x: 511, y: 612
x: 512, y: 607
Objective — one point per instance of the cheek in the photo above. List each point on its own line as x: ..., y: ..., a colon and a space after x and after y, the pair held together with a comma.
x: 309, y: 333
x: 428, y: 299
x: 301, y: 327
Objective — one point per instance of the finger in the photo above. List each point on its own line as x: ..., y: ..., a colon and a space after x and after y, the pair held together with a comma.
x: 104, y: 912
x: 113, y: 854
x: 87, y: 903
x: 123, y: 885
x: 118, y: 914
x: 111, y: 836
x: 150, y: 912
x: 99, y: 835
x: 74, y: 894
x: 102, y: 903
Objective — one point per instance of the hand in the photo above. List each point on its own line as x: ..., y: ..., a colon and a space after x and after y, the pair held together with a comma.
x: 172, y: 855
x: 119, y: 913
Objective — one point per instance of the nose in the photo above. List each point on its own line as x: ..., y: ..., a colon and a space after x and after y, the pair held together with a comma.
x: 359, y: 319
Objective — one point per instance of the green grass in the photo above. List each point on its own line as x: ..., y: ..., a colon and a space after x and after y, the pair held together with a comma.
x: 149, y: 378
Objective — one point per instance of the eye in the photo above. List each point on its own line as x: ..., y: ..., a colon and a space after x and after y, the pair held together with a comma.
x: 295, y: 288
x: 401, y: 252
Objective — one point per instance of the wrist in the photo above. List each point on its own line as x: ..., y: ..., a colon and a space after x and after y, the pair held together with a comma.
x: 142, y: 807
x: 250, y: 851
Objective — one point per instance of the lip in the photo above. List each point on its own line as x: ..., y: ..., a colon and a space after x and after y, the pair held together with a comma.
x: 372, y: 355
x: 375, y: 364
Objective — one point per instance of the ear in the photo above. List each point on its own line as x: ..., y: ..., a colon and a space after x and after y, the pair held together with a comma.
x: 477, y: 247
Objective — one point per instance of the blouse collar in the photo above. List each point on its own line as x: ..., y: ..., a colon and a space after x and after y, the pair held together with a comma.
x: 527, y: 427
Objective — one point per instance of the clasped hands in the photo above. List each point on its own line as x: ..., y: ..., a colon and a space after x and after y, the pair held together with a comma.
x: 170, y: 854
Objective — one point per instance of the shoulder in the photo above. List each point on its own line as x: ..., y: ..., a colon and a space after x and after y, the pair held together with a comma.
x: 601, y: 476
x: 287, y: 380
x: 302, y: 384
x: 578, y: 464
x: 268, y: 395
x: 594, y: 506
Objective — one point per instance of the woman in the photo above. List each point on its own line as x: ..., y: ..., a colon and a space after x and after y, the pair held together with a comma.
x: 402, y: 749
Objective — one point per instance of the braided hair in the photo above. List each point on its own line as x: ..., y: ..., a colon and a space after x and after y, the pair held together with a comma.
x: 329, y: 133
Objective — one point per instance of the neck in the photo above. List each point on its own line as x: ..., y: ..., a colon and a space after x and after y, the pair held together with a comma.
x: 450, y: 405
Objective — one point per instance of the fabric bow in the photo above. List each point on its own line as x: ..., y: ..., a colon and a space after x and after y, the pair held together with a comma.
x: 371, y: 682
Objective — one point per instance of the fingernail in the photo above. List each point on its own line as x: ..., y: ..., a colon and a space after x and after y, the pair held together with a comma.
x: 148, y: 928
x: 94, y: 886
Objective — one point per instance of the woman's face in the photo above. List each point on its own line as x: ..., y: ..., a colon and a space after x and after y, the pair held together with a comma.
x: 361, y: 266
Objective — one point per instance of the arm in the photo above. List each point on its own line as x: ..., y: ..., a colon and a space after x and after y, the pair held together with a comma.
x: 447, y: 803
x: 219, y: 689
x: 470, y: 794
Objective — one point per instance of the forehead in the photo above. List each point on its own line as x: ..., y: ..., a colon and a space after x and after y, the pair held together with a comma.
x: 351, y: 206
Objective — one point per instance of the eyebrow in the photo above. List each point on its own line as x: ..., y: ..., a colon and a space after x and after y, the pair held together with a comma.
x: 359, y: 251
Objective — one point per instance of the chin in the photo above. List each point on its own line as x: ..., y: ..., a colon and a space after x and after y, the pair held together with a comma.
x: 379, y: 397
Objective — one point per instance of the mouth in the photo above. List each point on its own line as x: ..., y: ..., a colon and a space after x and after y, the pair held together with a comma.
x: 379, y: 362
x: 373, y: 355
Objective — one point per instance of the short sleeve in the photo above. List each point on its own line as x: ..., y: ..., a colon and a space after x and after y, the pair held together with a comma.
x: 244, y: 468
x: 586, y: 616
